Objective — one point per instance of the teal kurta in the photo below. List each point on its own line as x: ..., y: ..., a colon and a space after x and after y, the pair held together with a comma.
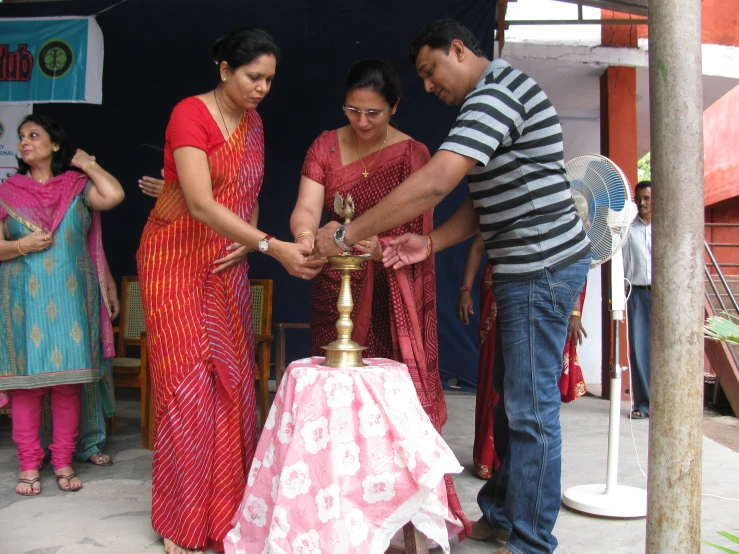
x: 50, y: 309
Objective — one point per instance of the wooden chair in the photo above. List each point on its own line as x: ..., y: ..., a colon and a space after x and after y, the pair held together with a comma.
x: 280, y: 347
x: 261, y: 315
x: 130, y: 371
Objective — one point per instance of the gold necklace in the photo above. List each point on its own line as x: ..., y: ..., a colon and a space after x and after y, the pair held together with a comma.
x: 42, y: 181
x: 365, y: 173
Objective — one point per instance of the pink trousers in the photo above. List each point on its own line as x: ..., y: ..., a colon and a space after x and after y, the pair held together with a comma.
x: 65, y: 413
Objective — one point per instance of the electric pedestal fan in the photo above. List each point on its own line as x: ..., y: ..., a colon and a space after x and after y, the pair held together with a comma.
x: 603, y: 199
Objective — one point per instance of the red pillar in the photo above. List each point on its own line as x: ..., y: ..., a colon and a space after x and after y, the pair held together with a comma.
x: 619, y: 143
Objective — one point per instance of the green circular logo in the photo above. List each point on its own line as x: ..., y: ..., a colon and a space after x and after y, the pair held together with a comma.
x: 55, y: 58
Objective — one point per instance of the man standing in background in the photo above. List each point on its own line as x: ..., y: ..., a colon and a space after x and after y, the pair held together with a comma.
x: 637, y: 254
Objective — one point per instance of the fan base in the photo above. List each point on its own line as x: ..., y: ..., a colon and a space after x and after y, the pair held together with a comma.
x: 619, y: 502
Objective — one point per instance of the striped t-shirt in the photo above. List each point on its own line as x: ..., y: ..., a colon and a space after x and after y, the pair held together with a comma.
x: 519, y: 187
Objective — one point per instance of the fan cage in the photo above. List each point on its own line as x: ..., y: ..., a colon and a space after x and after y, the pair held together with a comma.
x: 602, y: 195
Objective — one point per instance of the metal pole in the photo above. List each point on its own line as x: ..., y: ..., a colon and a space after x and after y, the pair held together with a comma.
x: 675, y: 424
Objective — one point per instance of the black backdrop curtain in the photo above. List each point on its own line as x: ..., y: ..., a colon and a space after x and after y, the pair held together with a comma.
x: 158, y: 52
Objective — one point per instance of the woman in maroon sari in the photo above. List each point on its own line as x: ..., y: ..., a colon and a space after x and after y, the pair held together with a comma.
x: 395, y: 311
x: 571, y: 383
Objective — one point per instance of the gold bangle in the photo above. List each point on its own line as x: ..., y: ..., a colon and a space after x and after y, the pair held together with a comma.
x: 93, y: 162
x: 576, y: 313
x: 19, y: 248
x: 304, y: 234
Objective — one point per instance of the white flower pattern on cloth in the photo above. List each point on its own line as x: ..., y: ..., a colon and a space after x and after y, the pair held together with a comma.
x: 307, y: 543
x: 358, y: 529
x: 255, y: 511
x: 328, y: 502
x: 287, y: 428
x: 372, y: 421
x: 255, y: 465
x: 270, y: 422
x: 269, y: 456
x: 304, y: 376
x: 346, y: 458
x: 339, y: 391
x: 397, y: 394
x: 379, y: 488
x: 315, y: 435
x: 295, y: 479
x: 280, y: 526
x: 341, y: 426
x: 341, y: 463
x: 404, y: 454
x: 275, y: 487
x: 236, y: 532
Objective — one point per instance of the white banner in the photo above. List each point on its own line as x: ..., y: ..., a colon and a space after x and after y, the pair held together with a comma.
x: 11, y: 116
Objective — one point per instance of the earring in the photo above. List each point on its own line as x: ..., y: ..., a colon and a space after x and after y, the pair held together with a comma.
x: 55, y: 149
x: 224, y: 79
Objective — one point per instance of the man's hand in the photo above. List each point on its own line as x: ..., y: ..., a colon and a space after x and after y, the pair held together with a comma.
x: 464, y: 306
x: 405, y: 250
x: 325, y: 245
x: 575, y: 329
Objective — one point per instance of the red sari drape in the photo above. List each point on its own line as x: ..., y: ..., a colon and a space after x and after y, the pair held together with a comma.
x: 394, y: 311
x: 571, y: 382
x: 201, y: 351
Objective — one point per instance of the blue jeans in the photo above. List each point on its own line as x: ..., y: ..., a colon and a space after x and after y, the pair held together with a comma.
x: 530, y: 338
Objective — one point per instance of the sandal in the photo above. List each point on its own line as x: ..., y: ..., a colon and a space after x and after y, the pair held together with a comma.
x: 636, y: 414
x: 104, y: 459
x: 69, y: 482
x: 31, y: 483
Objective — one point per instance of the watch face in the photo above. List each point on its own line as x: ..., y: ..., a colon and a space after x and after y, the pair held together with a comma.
x: 263, y: 245
x: 340, y: 234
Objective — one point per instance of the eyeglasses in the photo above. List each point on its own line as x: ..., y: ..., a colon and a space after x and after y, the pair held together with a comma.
x: 356, y: 113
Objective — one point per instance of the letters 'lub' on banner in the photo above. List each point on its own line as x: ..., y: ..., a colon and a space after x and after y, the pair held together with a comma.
x: 51, y: 60
x: 10, y: 118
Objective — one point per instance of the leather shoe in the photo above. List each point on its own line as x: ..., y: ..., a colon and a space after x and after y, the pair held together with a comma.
x: 482, y: 530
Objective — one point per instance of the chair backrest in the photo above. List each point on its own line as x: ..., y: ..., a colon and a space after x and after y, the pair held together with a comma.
x: 132, y: 313
x: 261, y: 306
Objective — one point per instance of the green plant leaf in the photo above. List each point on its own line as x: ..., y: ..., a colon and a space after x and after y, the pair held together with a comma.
x: 729, y: 536
x: 721, y: 548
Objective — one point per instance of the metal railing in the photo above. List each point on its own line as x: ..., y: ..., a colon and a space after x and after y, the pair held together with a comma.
x: 720, y: 274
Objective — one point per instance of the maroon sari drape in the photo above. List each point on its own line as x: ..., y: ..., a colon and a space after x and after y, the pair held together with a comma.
x: 394, y: 311
x: 571, y: 382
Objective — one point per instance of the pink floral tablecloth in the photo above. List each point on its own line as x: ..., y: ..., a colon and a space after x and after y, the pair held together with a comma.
x: 346, y: 458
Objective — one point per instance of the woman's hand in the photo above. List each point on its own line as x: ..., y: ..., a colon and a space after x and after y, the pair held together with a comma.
x: 238, y: 253
x: 370, y: 246
x: 464, y: 306
x: 82, y: 160
x: 35, y: 242
x: 575, y: 329
x: 405, y: 250
x: 307, y: 241
x: 151, y: 186
x: 113, y: 302
x: 294, y: 258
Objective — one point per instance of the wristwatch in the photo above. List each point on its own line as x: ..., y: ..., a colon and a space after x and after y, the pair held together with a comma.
x: 264, y: 243
x: 339, y: 237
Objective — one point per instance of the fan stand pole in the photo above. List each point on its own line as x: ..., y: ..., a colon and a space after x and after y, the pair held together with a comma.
x: 611, y: 499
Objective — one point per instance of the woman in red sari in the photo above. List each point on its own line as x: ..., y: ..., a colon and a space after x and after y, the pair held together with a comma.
x: 197, y: 298
x: 571, y: 383
x: 395, y: 311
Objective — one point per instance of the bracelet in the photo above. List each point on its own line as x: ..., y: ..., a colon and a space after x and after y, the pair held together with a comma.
x: 429, y: 247
x: 304, y: 234
x: 576, y: 313
x: 19, y: 248
x: 111, y: 288
x: 93, y: 162
x: 465, y: 288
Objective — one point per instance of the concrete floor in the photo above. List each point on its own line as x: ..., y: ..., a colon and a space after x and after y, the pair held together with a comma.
x: 111, y: 514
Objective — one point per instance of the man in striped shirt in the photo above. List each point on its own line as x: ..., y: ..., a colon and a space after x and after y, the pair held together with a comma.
x: 508, y: 141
